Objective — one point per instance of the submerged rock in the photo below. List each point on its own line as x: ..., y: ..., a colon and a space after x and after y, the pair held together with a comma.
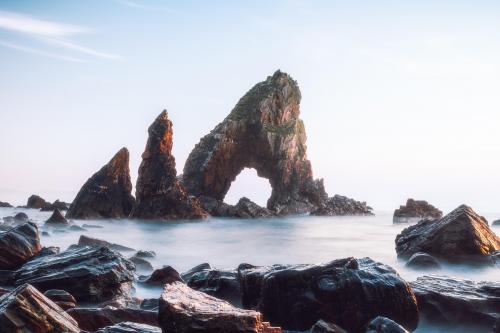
x: 61, y: 297
x: 129, y: 327
x: 5, y: 204
x: 18, y: 244
x: 21, y: 217
x: 92, y: 319
x: 159, y: 193
x: 462, y: 234
x: 141, y: 264
x: 416, y: 210
x: 184, y: 310
x: 57, y: 218
x: 90, y: 274
x: 348, y: 292
x: 454, y: 301
x: 384, y: 325
x: 421, y: 260
x: 339, y: 205
x: 107, y: 194
x: 89, y: 241
x: 25, y: 309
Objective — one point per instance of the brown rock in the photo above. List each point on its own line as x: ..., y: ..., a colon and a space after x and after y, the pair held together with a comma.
x: 107, y: 194
x: 57, y: 218
x: 462, y: 234
x: 18, y: 244
x: 36, y: 202
x: 159, y: 193
x: 184, y: 310
x: 163, y: 276
x: 416, y: 210
x: 92, y: 319
x: 25, y: 309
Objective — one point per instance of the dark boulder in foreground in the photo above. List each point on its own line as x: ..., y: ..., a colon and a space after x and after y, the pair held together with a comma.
x: 163, y: 276
x: 322, y: 326
x: 57, y: 218
x: 159, y: 194
x: 184, y: 310
x: 384, y: 325
x: 339, y: 205
x: 129, y: 327
x: 5, y: 204
x: 348, y: 292
x: 25, y: 309
x: 422, y: 260
x: 90, y: 274
x: 462, y: 234
x: 107, y: 194
x: 18, y: 244
x: 92, y: 319
x: 416, y: 210
x: 89, y: 241
x: 453, y: 301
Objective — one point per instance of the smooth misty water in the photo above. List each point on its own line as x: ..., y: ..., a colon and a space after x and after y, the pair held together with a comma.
x: 225, y: 243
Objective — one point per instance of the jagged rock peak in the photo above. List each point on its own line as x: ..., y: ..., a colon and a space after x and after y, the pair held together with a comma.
x: 107, y: 194
x: 159, y: 193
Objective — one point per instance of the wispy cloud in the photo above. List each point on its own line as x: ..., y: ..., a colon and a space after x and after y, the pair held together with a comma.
x: 142, y: 5
x: 50, y: 32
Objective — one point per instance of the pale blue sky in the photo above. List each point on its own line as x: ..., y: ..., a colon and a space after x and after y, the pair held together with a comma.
x: 400, y: 98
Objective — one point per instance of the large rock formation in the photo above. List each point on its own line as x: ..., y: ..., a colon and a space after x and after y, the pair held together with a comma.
x: 458, y: 302
x: 90, y: 274
x: 18, y: 244
x: 159, y: 193
x: 107, y: 194
x: 416, y: 210
x: 461, y: 234
x: 264, y: 132
x: 348, y: 292
x: 25, y: 309
x: 184, y: 310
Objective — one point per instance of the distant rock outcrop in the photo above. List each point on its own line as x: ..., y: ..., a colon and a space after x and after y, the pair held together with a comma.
x: 61, y: 205
x: 341, y: 205
x: 57, y: 218
x: 5, y: 204
x: 263, y: 132
x: 36, y: 202
x: 159, y: 194
x: 461, y: 234
x: 107, y: 194
x: 416, y: 210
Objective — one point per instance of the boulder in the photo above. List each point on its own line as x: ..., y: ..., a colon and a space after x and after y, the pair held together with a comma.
x: 18, y: 244
x: 62, y: 298
x: 90, y: 274
x: 36, y: 202
x: 57, y: 218
x: 384, y: 325
x: 447, y: 300
x: 462, y: 234
x: 145, y: 254
x: 421, y: 260
x: 416, y: 210
x: 141, y: 264
x: 159, y: 194
x: 246, y: 208
x: 162, y: 276
x: 339, y: 205
x: 21, y: 217
x: 107, y: 194
x: 348, y: 292
x: 129, y: 327
x: 89, y: 241
x: 184, y: 310
x: 322, y: 326
x: 25, y: 309
x: 5, y: 204
x: 92, y: 319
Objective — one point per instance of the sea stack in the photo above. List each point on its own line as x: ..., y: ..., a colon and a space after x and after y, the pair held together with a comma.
x: 107, y: 194
x: 159, y: 194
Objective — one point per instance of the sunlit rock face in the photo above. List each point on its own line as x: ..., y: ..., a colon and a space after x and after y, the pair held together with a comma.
x: 460, y: 235
x: 107, y: 194
x: 159, y: 194
x: 264, y: 132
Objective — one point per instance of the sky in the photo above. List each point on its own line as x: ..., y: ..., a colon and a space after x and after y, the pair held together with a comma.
x: 400, y: 99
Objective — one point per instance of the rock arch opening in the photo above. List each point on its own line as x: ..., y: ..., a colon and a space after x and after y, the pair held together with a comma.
x: 249, y: 184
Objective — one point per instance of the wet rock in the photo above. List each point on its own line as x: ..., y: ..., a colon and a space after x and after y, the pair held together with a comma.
x: 145, y: 254
x: 90, y: 274
x: 348, y: 292
x: 25, y: 309
x: 61, y: 205
x: 339, y: 205
x: 223, y: 284
x: 18, y: 244
x: 47, y: 251
x: 129, y: 327
x: 263, y: 132
x: 384, y: 325
x: 21, y: 217
x: 150, y: 304
x: 36, y: 202
x: 185, y: 310
x: 92, y: 226
x: 421, y: 260
x: 322, y: 326
x: 162, y: 276
x: 107, y: 194
x: 57, y: 218
x: 187, y: 275
x: 141, y: 264
x: 92, y: 319
x: 62, y: 298
x: 416, y: 210
x: 458, y: 302
x: 89, y: 241
x: 460, y: 235
x: 5, y: 204
x: 159, y: 193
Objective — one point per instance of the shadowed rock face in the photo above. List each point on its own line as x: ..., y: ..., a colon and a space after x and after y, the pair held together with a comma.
x: 57, y: 218
x: 462, y: 234
x: 92, y: 319
x: 264, y: 132
x: 36, y: 202
x: 416, y: 209
x: 107, y: 194
x: 18, y: 244
x: 159, y: 193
